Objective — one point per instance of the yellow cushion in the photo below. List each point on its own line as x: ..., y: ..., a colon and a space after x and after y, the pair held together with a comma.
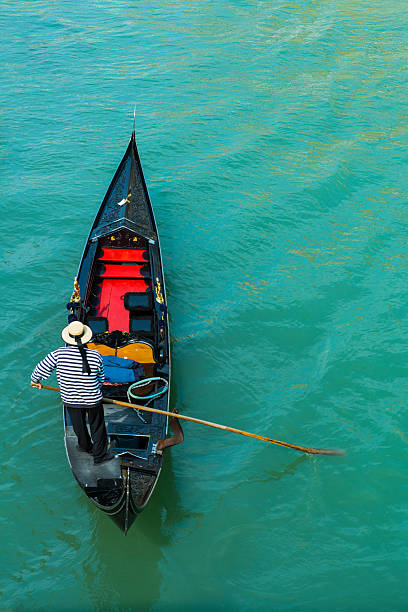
x: 138, y: 351
x: 101, y: 348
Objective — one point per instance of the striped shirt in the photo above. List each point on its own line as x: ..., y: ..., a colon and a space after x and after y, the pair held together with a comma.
x: 76, y: 388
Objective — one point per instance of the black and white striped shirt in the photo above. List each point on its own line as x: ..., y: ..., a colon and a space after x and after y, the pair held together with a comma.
x: 76, y: 388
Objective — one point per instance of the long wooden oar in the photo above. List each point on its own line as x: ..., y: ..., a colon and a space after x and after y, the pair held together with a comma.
x: 303, y: 449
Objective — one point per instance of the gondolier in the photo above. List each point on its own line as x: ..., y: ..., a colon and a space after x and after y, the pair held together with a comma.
x: 80, y: 376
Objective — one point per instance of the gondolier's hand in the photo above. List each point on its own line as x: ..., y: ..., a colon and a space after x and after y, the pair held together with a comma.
x: 36, y: 385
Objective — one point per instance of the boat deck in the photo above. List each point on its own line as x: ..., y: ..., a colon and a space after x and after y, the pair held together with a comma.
x: 83, y: 466
x: 120, y: 421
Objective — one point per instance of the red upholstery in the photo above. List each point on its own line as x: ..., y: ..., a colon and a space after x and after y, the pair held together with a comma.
x: 112, y: 306
x: 123, y: 255
x: 122, y: 271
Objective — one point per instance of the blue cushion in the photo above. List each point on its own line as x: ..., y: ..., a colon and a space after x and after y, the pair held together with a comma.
x: 119, y: 370
x: 117, y: 362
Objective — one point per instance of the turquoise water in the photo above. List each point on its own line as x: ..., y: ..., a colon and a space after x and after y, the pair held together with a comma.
x: 273, y: 136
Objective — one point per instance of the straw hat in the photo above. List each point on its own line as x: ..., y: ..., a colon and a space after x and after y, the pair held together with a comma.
x: 75, y: 330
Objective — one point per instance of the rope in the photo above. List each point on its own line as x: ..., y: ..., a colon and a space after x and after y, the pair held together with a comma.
x: 143, y: 383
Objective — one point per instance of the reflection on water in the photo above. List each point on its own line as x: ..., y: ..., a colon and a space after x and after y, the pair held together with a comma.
x: 270, y: 475
x: 117, y: 565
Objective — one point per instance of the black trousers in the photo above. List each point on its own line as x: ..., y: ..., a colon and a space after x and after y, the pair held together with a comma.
x: 98, y: 441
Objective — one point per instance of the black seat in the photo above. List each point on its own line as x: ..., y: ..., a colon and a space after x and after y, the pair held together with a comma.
x: 142, y: 323
x: 99, y: 325
x: 138, y: 302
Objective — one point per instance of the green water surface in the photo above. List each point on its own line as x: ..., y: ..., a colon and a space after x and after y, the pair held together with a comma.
x: 273, y: 136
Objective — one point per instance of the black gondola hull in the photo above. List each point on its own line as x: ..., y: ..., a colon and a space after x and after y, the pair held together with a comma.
x: 122, y: 298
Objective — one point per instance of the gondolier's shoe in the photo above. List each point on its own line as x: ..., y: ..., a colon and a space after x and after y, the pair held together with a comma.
x: 84, y: 450
x: 107, y: 457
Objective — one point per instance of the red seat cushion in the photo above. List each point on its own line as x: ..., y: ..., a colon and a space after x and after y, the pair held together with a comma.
x: 124, y: 255
x: 111, y: 304
x: 122, y: 271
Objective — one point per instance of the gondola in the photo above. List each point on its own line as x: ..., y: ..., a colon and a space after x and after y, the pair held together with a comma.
x: 120, y: 294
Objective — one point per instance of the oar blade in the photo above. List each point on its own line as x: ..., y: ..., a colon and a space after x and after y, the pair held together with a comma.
x: 334, y: 452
